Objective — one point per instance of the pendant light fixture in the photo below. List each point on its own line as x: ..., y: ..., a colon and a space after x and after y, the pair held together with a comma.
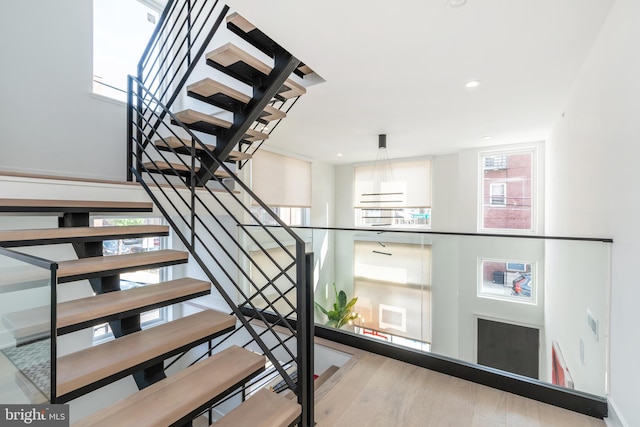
x: 381, y: 191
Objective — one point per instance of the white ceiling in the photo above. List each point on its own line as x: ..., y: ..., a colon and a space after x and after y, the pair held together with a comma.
x: 400, y: 67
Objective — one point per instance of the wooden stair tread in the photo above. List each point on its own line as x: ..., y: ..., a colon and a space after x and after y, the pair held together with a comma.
x: 190, y: 117
x: 207, y: 89
x: 118, y: 358
x: 101, y: 266
x: 250, y: 33
x: 263, y: 409
x: 20, y: 278
x: 139, y: 299
x: 179, y: 145
x: 33, y: 323
x: 13, y: 238
x: 28, y: 325
x: 229, y: 54
x: 239, y: 155
x: 181, y: 168
x: 239, y: 21
x: 168, y: 167
x: 54, y: 206
x: 322, y: 378
x: 169, y: 400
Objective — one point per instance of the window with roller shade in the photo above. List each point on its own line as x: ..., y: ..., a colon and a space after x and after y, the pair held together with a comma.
x: 284, y: 184
x: 399, y: 198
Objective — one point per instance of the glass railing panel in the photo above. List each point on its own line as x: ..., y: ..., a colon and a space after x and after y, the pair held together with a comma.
x: 530, y: 306
x: 268, y: 268
x: 25, y: 330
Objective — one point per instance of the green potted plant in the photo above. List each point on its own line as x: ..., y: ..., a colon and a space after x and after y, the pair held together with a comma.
x: 341, y: 313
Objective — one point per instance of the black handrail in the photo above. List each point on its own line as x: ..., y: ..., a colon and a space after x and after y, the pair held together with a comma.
x: 52, y: 266
x: 448, y: 233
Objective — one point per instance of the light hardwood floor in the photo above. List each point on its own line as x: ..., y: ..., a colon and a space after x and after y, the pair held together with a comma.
x: 372, y: 390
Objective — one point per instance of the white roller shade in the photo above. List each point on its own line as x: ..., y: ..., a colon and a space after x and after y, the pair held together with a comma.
x: 280, y: 180
x: 408, y: 185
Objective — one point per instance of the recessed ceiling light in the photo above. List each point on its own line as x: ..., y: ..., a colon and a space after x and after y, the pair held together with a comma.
x: 456, y: 3
x: 472, y: 84
x: 486, y: 137
x: 339, y: 154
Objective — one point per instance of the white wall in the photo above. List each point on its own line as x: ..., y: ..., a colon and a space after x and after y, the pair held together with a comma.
x: 592, y: 172
x: 572, y: 293
x: 50, y: 122
x: 445, y: 176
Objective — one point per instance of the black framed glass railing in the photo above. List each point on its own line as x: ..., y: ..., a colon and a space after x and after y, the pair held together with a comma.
x: 27, y: 313
x: 531, y: 307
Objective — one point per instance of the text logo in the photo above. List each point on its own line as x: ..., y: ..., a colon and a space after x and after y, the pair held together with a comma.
x: 34, y: 415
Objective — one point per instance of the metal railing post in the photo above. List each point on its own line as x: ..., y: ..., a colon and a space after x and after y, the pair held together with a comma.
x: 305, y: 334
x: 129, y: 128
x: 53, y: 396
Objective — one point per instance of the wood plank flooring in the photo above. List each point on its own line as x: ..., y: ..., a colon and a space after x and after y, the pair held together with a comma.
x: 372, y: 390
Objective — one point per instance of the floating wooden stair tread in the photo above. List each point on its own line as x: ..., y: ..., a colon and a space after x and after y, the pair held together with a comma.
x: 162, y: 166
x: 76, y: 206
x: 101, y: 266
x: 181, y: 147
x: 183, y: 395
x: 20, y: 278
x: 96, y: 366
x: 100, y: 308
x: 28, y: 325
x: 263, y: 409
x: 222, y: 96
x: 180, y: 168
x: 48, y: 236
x: 324, y: 377
x: 249, y: 32
x: 211, y: 124
x: 239, y: 21
x: 229, y: 58
x: 35, y: 323
x: 239, y: 155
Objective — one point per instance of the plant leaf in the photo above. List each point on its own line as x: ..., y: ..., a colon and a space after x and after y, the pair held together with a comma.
x: 342, y: 300
x: 351, y: 303
x: 322, y: 309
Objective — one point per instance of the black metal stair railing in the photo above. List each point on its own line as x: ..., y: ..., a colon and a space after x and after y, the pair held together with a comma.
x: 253, y: 269
x: 179, y: 41
x: 267, y: 128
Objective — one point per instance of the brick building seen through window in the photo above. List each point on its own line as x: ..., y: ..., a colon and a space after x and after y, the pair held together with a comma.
x: 507, y: 201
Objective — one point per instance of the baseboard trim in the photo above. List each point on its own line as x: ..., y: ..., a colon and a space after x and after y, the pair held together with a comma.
x: 614, y: 418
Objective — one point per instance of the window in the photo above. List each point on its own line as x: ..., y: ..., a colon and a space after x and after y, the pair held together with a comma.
x: 498, y: 194
x: 134, y: 279
x: 495, y: 162
x: 508, y: 280
x: 291, y: 216
x: 507, y: 201
x: 284, y: 184
x: 401, y: 198
x: 121, y: 31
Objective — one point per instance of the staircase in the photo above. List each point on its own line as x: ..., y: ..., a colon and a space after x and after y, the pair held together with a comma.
x: 191, y: 128
x: 142, y: 353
